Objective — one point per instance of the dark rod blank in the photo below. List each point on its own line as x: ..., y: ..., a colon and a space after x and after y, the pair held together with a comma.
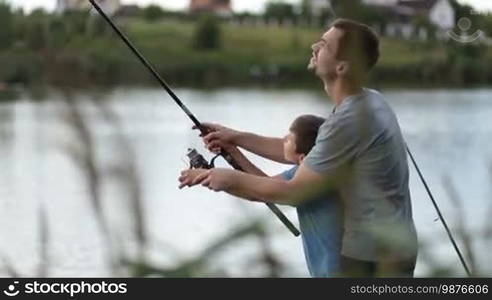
x: 195, y: 121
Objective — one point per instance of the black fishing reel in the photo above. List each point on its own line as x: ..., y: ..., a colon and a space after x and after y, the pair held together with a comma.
x: 197, y: 161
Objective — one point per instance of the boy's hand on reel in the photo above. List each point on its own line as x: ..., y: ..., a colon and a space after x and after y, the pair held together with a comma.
x: 188, y: 177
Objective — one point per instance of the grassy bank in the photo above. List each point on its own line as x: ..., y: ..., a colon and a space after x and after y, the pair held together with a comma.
x: 247, y: 55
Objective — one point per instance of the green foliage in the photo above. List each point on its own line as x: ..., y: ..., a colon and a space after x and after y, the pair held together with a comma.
x: 357, y: 10
x: 77, y: 22
x: 279, y: 10
x: 421, y: 21
x: 369, y: 15
x: 97, y: 27
x: 153, y: 13
x: 464, y: 10
x: 484, y: 23
x: 466, y: 63
x: 306, y: 10
x: 207, y: 52
x: 20, y: 66
x: 207, y: 34
x: 58, y: 32
x: 348, y: 8
x: 6, y: 26
x: 36, y: 35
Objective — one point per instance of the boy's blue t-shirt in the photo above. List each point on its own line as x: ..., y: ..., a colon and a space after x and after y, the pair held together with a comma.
x: 320, y: 221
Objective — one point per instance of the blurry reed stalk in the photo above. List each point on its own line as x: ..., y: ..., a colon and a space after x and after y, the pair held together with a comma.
x: 123, y: 168
x: 83, y: 154
x: 44, y: 233
x: 8, y: 267
x: 488, y: 224
x: 126, y: 171
x: 199, y: 265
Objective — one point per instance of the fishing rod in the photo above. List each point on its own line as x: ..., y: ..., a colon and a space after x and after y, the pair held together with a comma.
x: 441, y: 217
x: 203, y: 130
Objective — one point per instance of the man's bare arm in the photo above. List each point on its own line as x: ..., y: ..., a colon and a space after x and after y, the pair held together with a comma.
x: 304, y: 185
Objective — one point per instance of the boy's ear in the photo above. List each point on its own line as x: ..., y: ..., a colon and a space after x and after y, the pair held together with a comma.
x: 301, y: 157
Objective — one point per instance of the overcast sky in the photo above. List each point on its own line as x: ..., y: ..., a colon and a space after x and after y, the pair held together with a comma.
x: 238, y: 5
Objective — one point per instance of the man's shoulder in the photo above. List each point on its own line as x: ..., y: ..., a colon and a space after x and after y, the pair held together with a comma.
x: 356, y: 104
x: 373, y: 92
x: 370, y: 96
x: 362, y: 118
x: 369, y: 105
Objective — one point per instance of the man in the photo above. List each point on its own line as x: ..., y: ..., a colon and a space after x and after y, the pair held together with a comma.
x: 359, y: 152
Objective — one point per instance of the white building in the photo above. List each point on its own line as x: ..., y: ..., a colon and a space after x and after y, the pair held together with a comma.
x: 442, y: 15
x: 401, y: 16
x: 439, y: 12
x: 381, y: 2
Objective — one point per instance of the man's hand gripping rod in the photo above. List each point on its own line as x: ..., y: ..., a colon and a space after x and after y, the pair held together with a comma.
x: 197, y: 123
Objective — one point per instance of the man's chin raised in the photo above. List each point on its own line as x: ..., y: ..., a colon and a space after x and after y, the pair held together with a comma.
x: 311, y: 66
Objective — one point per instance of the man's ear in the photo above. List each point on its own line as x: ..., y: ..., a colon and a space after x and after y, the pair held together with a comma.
x: 343, y: 68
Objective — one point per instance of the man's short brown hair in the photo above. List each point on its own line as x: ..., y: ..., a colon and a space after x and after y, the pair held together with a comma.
x: 306, y: 129
x: 359, y: 43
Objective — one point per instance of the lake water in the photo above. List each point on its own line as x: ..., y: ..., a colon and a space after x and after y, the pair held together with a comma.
x: 449, y: 132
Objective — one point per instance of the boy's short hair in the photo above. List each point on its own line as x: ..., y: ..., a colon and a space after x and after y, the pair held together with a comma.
x: 306, y: 129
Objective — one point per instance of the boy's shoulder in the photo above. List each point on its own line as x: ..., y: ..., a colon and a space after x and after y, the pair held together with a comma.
x: 289, y: 174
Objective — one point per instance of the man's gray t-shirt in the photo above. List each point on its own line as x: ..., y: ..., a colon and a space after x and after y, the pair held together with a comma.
x: 361, y: 151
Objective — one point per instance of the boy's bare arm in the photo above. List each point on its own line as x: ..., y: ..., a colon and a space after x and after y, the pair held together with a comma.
x: 247, y: 165
x: 244, y: 162
x: 267, y: 147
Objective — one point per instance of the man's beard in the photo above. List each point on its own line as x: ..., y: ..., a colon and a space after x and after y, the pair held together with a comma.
x: 329, y: 76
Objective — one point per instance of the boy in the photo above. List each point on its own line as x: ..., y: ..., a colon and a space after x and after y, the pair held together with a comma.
x: 319, y: 218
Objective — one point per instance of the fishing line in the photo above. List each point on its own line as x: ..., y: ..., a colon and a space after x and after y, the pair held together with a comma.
x: 441, y: 217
